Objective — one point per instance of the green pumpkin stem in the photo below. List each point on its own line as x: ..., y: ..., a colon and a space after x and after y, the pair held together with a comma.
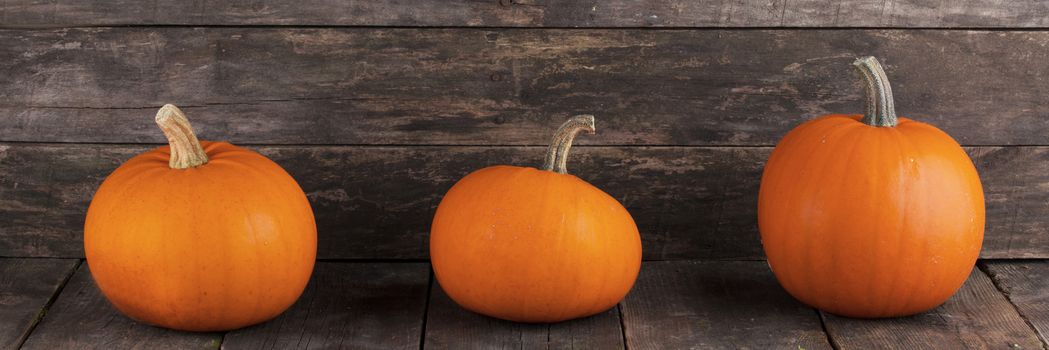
x: 186, y: 151
x: 557, y: 154
x: 881, y: 110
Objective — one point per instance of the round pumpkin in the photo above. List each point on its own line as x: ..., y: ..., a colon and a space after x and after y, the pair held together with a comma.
x: 870, y: 215
x: 534, y: 245
x: 200, y: 236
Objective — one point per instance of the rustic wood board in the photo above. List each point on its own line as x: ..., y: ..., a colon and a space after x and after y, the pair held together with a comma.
x: 689, y: 202
x: 449, y: 326
x: 1014, y: 179
x: 532, y: 13
x: 716, y: 305
x: 401, y: 86
x: 977, y: 317
x: 1026, y: 285
x: 27, y: 286
x: 348, y: 306
x: 82, y: 318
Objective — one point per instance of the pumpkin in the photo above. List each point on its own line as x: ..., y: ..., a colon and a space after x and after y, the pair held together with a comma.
x: 870, y: 215
x: 199, y: 236
x: 534, y: 245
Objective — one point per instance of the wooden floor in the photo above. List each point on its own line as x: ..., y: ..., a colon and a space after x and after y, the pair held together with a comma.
x: 54, y: 304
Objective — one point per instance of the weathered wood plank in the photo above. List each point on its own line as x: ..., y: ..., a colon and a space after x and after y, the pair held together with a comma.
x: 533, y: 13
x: 348, y: 306
x: 82, y: 318
x: 26, y: 287
x: 977, y: 317
x: 1014, y: 179
x: 716, y: 305
x: 1026, y: 285
x: 449, y: 326
x: 689, y: 202
x: 507, y: 87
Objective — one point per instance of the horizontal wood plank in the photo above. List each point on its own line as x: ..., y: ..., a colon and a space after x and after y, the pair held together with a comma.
x: 977, y: 317
x: 716, y: 305
x: 378, y: 202
x: 348, y: 306
x: 82, y: 318
x: 1026, y: 285
x: 1014, y: 179
x: 26, y: 288
x: 533, y: 13
x: 403, y: 86
x: 449, y: 326
x: 688, y: 202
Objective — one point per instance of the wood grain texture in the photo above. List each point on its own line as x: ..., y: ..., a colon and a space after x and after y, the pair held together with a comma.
x: 348, y: 306
x: 1015, y: 180
x: 449, y: 326
x: 533, y: 13
x: 688, y: 202
x: 977, y: 317
x: 716, y: 305
x: 82, y: 318
x: 26, y: 288
x: 389, y: 86
x: 1026, y: 285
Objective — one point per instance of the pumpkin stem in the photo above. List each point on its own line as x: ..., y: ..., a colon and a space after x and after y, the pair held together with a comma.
x: 881, y: 109
x: 186, y: 151
x: 557, y: 154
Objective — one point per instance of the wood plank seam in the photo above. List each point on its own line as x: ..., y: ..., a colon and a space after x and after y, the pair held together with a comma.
x: 50, y: 301
x: 998, y: 285
x: 622, y: 324
x: 502, y: 27
x: 426, y: 308
x: 532, y: 14
x: 823, y: 325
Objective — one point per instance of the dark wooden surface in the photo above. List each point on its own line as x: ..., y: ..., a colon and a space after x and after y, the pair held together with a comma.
x: 81, y: 318
x: 377, y: 202
x: 533, y: 13
x: 1017, y: 207
x: 1025, y: 284
x: 508, y: 86
x: 716, y: 305
x: 27, y: 287
x: 379, y: 122
x: 689, y: 202
x: 977, y: 317
x: 675, y: 304
x: 449, y: 326
x: 685, y: 119
x: 348, y: 306
x: 378, y: 107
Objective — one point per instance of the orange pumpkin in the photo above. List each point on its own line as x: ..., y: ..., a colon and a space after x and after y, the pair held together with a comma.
x: 200, y: 236
x: 873, y: 215
x: 534, y: 245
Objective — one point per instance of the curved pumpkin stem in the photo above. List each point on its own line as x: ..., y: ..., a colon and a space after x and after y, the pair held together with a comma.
x: 557, y: 154
x: 186, y: 151
x: 881, y: 109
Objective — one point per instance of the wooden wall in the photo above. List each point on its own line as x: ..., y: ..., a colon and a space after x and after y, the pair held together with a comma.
x: 378, y: 107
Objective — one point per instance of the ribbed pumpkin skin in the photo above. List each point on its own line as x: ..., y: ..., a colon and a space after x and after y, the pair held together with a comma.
x: 217, y: 247
x: 869, y: 222
x: 528, y: 245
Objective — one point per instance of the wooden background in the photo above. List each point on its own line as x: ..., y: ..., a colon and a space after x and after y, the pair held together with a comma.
x: 377, y: 108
